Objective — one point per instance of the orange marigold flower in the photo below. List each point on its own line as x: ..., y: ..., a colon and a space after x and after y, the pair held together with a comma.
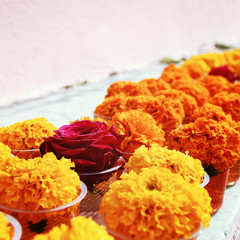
x: 189, y: 103
x: 194, y: 69
x: 27, y: 134
x: 127, y: 88
x: 174, y: 75
x: 6, y: 228
x: 79, y: 228
x: 155, y: 204
x: 167, y: 112
x: 215, y: 143
x: 155, y: 84
x: 210, y: 111
x: 234, y: 88
x: 214, y: 84
x: 230, y: 103
x: 140, y: 129
x: 188, y: 167
x: 39, y: 183
x: 195, y: 89
x: 111, y: 105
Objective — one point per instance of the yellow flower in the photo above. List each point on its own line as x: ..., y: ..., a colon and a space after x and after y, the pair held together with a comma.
x: 80, y: 228
x: 27, y: 134
x: 155, y: 204
x: 188, y: 167
x: 39, y: 183
x: 5, y: 152
x: 6, y: 229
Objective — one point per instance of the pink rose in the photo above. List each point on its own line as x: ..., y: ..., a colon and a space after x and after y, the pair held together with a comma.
x: 91, y: 145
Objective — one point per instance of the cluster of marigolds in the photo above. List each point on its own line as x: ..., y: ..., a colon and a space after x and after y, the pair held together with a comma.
x: 166, y: 133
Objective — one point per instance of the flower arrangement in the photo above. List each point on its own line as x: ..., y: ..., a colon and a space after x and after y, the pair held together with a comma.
x: 133, y: 125
x: 80, y: 228
x: 188, y: 167
x: 27, y: 134
x: 91, y: 145
x: 215, y: 143
x: 155, y: 204
x: 6, y: 228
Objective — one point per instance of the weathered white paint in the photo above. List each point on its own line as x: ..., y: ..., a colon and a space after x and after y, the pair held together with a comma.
x: 47, y: 44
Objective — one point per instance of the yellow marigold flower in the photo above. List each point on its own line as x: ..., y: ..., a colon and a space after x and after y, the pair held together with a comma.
x: 39, y: 183
x: 6, y: 229
x: 233, y: 60
x: 188, y: 167
x: 155, y: 84
x: 140, y: 129
x: 155, y: 204
x: 80, y: 228
x: 167, y: 112
x: 230, y: 103
x: 215, y: 143
x: 128, y: 88
x: 27, y: 134
x: 189, y: 102
x: 5, y: 152
x: 214, y: 84
x: 111, y: 105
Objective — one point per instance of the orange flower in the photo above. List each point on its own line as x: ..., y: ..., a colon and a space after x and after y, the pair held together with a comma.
x: 210, y: 111
x: 234, y: 88
x: 214, y: 84
x: 6, y: 229
x: 127, y: 88
x: 111, y: 105
x: 167, y: 112
x: 230, y: 103
x: 140, y: 129
x: 155, y: 84
x: 189, y: 103
x: 174, y: 75
x: 215, y: 143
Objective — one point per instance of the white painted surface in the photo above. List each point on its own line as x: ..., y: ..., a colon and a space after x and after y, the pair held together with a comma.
x: 45, y: 45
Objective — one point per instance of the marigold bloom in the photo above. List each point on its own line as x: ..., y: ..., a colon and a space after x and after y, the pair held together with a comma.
x: 230, y: 103
x: 27, y: 134
x: 111, y: 105
x: 233, y: 60
x: 155, y: 84
x: 6, y: 229
x: 167, y: 112
x: 80, y: 228
x: 215, y: 143
x: 39, y: 183
x: 127, y: 88
x: 234, y: 88
x: 174, y: 75
x: 5, y: 152
x: 155, y: 204
x: 196, y: 90
x: 214, y: 84
x: 210, y: 111
x: 140, y: 129
x: 188, y: 167
x: 189, y: 102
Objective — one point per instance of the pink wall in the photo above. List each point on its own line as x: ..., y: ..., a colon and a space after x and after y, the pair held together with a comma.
x: 47, y: 44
